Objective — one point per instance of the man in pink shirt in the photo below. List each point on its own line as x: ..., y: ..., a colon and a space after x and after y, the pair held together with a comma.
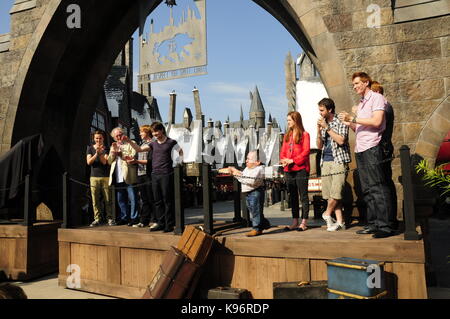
x: 369, y: 124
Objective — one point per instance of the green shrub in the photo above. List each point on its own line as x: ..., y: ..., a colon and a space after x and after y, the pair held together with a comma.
x: 436, y: 177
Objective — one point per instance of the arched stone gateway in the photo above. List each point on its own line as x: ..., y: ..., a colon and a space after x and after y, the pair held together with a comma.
x: 51, y: 75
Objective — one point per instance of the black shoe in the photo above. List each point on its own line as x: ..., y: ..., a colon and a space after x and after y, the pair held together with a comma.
x: 121, y: 222
x: 157, y: 228
x: 366, y: 231
x: 168, y: 230
x: 265, y: 224
x: 382, y: 234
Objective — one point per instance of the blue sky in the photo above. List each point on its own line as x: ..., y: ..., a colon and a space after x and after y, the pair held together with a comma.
x: 246, y: 47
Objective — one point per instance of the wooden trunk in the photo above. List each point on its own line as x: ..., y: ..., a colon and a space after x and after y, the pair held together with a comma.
x: 196, y: 244
x: 29, y: 252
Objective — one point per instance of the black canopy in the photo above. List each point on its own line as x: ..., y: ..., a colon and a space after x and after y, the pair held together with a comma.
x: 18, y: 162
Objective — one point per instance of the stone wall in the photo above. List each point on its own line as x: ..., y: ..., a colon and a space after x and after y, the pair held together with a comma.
x: 411, y: 60
x: 25, y: 16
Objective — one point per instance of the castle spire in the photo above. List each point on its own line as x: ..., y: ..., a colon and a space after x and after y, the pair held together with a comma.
x: 256, y: 105
x: 257, y: 112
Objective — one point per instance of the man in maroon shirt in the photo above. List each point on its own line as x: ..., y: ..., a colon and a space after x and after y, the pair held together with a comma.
x: 162, y: 175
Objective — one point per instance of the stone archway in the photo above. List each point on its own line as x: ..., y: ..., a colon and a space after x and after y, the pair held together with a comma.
x: 433, y: 132
x: 47, y: 88
x: 54, y: 91
x: 49, y: 74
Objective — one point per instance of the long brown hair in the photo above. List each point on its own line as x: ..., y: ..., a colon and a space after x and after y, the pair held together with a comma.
x: 298, y: 127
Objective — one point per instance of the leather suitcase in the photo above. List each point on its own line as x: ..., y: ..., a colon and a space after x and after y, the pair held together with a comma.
x: 228, y: 293
x: 352, y: 277
x: 196, y: 244
x: 292, y: 290
x: 183, y: 280
x: 172, y: 262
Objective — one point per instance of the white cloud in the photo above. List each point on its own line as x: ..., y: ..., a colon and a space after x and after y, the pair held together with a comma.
x: 235, y: 89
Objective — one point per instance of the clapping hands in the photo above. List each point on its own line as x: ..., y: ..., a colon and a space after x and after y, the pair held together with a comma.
x: 99, y: 149
x: 344, y: 118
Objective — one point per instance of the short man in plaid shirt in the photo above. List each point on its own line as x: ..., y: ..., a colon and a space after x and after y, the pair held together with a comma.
x: 332, y: 138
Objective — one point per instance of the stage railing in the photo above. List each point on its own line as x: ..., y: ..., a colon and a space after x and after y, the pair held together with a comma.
x: 28, y: 215
x: 409, y: 213
x: 241, y: 214
x: 179, y: 208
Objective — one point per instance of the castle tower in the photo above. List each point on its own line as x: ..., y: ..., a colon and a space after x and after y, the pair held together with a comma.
x: 291, y: 80
x: 198, y: 106
x: 257, y: 112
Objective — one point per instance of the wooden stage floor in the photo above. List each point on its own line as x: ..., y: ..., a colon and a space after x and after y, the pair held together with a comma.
x: 121, y: 260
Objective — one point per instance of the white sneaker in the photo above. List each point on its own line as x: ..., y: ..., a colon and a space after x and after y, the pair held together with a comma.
x: 336, y: 227
x: 111, y: 222
x: 138, y: 225
x: 330, y: 220
x: 95, y: 223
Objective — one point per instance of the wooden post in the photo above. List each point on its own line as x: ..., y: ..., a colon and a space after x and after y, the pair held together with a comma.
x: 282, y: 199
x: 207, y: 199
x: 237, y: 201
x: 266, y: 198
x: 409, y: 213
x: 179, y: 209
x: 27, y: 213
x: 66, y: 200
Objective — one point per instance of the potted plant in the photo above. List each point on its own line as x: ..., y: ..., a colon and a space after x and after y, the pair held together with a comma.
x: 437, y: 178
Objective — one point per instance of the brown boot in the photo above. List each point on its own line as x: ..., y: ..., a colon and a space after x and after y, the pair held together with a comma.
x: 254, y: 233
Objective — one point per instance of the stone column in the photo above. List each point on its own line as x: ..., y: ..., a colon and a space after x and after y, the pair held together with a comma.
x: 172, y: 107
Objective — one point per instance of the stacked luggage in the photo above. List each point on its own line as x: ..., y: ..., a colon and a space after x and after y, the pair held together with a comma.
x: 180, y: 270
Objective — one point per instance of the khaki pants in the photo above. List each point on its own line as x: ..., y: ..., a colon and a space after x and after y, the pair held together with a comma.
x: 332, y: 186
x: 99, y: 189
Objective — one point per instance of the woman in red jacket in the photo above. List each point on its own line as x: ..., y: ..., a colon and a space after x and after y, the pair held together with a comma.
x: 294, y: 157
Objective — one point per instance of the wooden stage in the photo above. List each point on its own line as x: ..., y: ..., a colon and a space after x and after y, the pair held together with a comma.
x: 121, y: 261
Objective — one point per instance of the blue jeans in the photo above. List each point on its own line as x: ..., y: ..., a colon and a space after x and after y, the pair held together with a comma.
x: 255, y: 205
x: 126, y: 196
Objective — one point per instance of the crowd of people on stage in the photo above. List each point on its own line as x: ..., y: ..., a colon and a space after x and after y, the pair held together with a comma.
x: 149, y: 165
x: 372, y: 121
x: 140, y: 173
